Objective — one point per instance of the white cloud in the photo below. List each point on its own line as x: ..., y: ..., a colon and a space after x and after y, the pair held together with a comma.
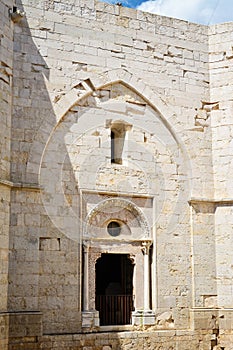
x: 201, y: 11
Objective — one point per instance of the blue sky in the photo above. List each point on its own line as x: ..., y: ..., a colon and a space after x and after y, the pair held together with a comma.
x: 199, y: 11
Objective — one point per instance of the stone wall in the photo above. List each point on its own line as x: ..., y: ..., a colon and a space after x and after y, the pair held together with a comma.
x: 80, y: 68
x: 221, y: 68
x: 167, y: 340
x: 6, y: 67
x: 163, y: 83
x: 70, y: 43
x: 6, y: 71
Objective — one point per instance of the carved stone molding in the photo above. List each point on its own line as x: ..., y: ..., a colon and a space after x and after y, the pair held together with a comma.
x: 146, y: 247
x: 206, y: 205
x: 121, y: 203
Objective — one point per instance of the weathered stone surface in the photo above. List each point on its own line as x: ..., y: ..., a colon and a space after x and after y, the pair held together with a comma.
x: 110, y: 114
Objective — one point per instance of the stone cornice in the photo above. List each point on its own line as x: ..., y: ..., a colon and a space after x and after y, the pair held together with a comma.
x: 116, y: 194
x: 20, y: 185
x: 211, y: 201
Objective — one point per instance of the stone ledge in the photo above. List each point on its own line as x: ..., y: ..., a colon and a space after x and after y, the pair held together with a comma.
x: 218, y: 202
x: 20, y: 185
x: 84, y: 191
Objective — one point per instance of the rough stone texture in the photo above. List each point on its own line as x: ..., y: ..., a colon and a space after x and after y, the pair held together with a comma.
x: 166, y: 340
x: 70, y: 72
x: 6, y: 66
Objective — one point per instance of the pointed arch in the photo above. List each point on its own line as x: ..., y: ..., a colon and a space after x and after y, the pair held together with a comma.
x: 118, y: 76
x: 88, y: 84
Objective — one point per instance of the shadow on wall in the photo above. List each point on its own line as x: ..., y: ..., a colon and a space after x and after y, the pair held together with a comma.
x: 44, y: 269
x: 32, y: 105
x: 44, y: 272
x: 43, y: 278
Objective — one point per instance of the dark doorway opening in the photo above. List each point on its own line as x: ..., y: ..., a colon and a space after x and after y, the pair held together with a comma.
x: 114, y: 289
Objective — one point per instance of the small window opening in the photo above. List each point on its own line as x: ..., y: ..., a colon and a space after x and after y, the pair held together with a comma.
x: 117, y: 146
x: 145, y: 138
x: 114, y: 228
x: 118, y: 140
x: 113, y: 147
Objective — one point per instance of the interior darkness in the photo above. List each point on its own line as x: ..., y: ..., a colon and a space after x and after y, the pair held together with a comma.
x: 114, y: 288
x: 114, y: 273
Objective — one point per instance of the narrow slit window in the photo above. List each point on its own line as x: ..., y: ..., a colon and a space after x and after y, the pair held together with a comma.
x: 118, y: 141
x: 117, y: 146
x: 112, y: 147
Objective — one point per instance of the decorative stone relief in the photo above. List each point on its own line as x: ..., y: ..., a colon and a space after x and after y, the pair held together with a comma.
x: 108, y: 205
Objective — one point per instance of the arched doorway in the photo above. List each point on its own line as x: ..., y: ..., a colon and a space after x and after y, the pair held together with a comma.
x: 114, y: 289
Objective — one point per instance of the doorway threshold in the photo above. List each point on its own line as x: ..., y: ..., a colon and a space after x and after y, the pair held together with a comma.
x: 115, y: 328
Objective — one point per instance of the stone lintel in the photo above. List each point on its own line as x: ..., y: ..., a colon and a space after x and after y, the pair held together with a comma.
x: 117, y: 194
x: 98, y: 242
